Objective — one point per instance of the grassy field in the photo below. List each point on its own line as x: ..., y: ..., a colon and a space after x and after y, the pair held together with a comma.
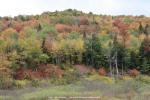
x: 90, y: 86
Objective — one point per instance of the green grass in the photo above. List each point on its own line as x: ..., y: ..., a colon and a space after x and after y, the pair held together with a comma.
x: 58, y: 91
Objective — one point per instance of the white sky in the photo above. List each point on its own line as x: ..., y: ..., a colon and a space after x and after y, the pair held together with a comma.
x: 111, y: 7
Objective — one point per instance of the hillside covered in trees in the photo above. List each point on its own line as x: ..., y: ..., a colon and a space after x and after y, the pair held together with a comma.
x: 118, y: 44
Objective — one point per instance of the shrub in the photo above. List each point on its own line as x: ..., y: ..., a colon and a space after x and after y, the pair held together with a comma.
x: 43, y: 71
x: 106, y: 79
x: 20, y: 83
x: 93, y: 77
x: 58, y: 72
x: 70, y: 76
x: 35, y: 83
x: 134, y: 72
x: 127, y: 78
x: 93, y: 71
x: 83, y: 20
x: 102, y: 72
x: 6, y: 80
x: 82, y: 69
x: 6, y: 83
x: 19, y: 73
x: 26, y: 74
x: 46, y: 70
x: 56, y: 81
x: 50, y: 70
x: 63, y: 28
x: 30, y: 74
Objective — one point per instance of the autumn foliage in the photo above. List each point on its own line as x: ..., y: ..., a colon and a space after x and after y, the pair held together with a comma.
x: 43, y: 71
x: 102, y: 72
x: 61, y: 28
x: 35, y: 47
x: 134, y: 72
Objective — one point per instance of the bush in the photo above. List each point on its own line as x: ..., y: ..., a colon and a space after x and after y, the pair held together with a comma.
x: 20, y: 83
x: 106, y: 79
x: 134, y: 72
x: 63, y: 28
x: 43, y: 71
x: 127, y: 78
x: 21, y: 74
x: 58, y: 72
x: 6, y: 80
x: 50, y: 70
x: 35, y: 83
x: 102, y: 72
x: 6, y: 83
x: 93, y: 71
x: 82, y: 69
x: 70, y: 76
x: 32, y: 75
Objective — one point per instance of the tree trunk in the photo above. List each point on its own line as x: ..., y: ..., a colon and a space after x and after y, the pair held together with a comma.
x: 116, y: 61
x: 122, y: 69
x: 110, y: 67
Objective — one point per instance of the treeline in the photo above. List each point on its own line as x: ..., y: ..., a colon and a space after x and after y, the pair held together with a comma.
x: 116, y: 43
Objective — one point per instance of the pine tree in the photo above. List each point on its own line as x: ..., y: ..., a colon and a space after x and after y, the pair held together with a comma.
x: 141, y: 29
x: 94, y: 55
x: 147, y: 29
x: 144, y: 54
x: 39, y: 28
x: 134, y: 60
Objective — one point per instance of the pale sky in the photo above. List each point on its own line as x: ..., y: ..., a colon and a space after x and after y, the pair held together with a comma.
x: 109, y: 7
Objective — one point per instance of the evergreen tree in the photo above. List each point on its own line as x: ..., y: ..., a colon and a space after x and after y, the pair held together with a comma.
x: 141, y: 29
x: 134, y: 60
x: 144, y: 54
x: 147, y: 29
x: 119, y: 56
x: 94, y: 54
x: 39, y: 28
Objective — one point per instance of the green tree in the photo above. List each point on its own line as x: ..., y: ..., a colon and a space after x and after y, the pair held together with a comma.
x: 134, y: 60
x: 147, y: 29
x: 93, y: 54
x: 118, y: 56
x: 30, y: 52
x: 144, y: 54
x: 141, y: 29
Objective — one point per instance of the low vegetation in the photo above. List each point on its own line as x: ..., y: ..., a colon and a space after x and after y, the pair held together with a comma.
x: 127, y: 88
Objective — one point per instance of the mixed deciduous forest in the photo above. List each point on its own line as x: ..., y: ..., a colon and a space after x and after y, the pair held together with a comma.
x: 64, y: 45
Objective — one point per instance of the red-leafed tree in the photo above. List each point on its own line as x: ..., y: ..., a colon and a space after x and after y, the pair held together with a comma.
x: 122, y: 30
x: 62, y: 28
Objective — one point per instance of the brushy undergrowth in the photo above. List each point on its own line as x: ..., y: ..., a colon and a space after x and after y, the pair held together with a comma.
x: 127, y: 88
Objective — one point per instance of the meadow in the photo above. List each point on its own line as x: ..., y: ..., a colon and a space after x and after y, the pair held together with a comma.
x: 104, y: 87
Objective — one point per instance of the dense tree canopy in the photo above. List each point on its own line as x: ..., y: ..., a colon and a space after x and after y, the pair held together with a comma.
x: 73, y: 37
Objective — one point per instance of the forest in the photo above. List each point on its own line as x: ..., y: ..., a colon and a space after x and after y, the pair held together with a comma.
x: 64, y: 45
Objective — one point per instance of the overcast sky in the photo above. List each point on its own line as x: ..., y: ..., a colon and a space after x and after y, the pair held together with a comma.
x: 109, y: 7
